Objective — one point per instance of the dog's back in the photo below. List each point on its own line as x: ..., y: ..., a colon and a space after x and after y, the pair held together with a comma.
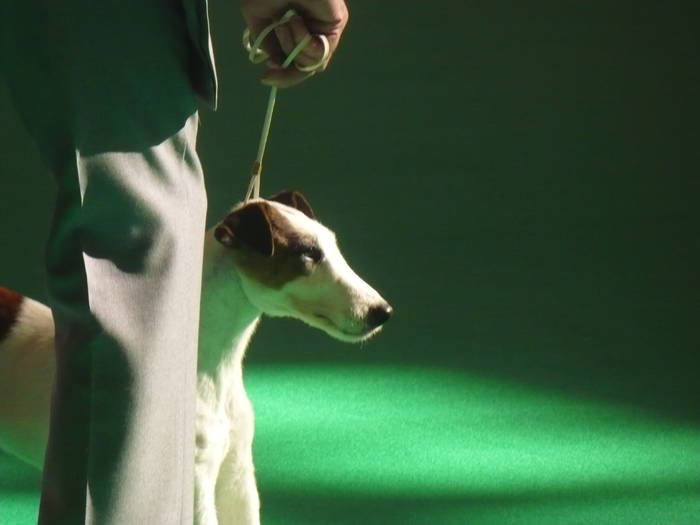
x: 26, y: 375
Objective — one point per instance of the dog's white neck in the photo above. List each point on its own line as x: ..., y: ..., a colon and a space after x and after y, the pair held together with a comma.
x: 228, y: 318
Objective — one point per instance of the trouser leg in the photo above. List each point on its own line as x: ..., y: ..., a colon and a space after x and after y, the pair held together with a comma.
x: 104, y: 88
x: 144, y: 280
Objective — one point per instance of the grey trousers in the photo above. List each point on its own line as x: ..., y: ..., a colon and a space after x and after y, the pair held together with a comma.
x: 106, y: 90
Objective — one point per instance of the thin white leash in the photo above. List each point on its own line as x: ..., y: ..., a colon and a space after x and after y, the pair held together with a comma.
x: 257, y: 55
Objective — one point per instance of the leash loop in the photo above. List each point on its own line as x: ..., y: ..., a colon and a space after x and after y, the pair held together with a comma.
x: 257, y: 55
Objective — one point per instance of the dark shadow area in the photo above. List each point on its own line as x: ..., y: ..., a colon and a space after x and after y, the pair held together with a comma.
x: 523, y: 198
x: 317, y: 506
x: 111, y: 419
x: 83, y: 84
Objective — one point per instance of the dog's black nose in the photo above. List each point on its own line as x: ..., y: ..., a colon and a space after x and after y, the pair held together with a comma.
x: 378, y: 315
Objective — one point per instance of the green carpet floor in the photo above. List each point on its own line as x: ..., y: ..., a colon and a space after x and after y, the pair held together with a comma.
x: 388, y: 445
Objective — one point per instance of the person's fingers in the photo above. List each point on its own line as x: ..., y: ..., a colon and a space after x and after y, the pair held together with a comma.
x: 314, y: 56
x: 289, y: 36
x: 270, y: 44
x: 317, y: 17
x: 313, y: 51
x: 285, y: 38
x: 329, y: 19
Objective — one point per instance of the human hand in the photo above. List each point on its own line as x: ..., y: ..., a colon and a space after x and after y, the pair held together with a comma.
x: 317, y: 17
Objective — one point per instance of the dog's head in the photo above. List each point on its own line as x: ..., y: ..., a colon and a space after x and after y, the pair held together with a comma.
x: 290, y: 266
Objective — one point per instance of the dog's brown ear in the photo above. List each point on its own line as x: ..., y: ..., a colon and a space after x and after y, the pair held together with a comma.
x: 247, y: 226
x: 294, y: 199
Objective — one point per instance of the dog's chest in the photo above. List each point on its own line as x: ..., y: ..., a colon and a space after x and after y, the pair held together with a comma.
x: 224, y: 417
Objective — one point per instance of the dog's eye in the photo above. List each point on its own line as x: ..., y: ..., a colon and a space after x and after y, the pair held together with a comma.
x: 312, y: 253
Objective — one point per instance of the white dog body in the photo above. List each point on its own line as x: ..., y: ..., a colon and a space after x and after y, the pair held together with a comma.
x: 267, y: 256
x: 225, y: 490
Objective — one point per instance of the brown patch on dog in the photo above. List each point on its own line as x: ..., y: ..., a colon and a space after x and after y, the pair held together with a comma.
x: 247, y: 226
x: 266, y: 247
x: 10, y: 303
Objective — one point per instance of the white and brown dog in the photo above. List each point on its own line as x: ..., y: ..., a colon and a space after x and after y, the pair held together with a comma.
x: 266, y: 257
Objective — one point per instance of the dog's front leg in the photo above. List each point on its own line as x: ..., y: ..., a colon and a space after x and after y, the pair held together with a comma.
x: 211, y: 445
x: 205, y: 473
x: 237, y: 500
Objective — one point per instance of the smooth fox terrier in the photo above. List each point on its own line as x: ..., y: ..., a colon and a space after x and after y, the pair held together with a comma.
x: 268, y: 256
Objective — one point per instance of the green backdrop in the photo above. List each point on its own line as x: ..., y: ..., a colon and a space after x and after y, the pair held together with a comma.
x: 520, y: 180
